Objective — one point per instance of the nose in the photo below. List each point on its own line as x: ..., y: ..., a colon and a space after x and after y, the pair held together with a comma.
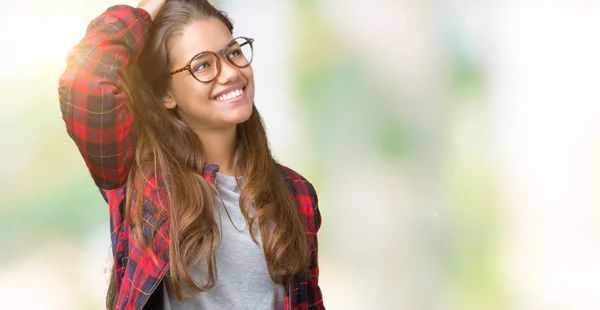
x: 229, y: 73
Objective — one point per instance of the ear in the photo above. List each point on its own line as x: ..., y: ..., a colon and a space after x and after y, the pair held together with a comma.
x: 169, y: 101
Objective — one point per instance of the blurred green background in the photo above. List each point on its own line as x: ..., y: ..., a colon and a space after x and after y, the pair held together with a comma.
x: 453, y: 145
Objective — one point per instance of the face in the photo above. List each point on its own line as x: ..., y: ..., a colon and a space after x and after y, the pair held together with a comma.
x: 217, y: 105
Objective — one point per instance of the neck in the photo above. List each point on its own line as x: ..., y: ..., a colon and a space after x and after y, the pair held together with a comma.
x: 218, y: 149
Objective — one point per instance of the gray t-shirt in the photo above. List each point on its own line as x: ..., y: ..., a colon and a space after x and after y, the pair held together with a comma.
x: 243, y: 280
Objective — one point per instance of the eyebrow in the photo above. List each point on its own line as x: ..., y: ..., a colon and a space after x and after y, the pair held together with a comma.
x: 230, y: 44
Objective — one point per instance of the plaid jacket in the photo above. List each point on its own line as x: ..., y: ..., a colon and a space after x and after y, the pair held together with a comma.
x: 94, y: 108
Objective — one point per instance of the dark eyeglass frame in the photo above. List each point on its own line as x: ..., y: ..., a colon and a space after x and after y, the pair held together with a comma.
x: 188, y: 67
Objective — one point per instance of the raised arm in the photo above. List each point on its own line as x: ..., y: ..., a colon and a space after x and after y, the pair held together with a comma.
x: 92, y: 96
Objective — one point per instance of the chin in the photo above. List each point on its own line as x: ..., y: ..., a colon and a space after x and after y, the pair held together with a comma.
x: 239, y: 117
x: 245, y: 118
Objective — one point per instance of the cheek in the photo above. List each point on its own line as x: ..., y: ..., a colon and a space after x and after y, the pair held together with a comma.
x: 249, y: 74
x: 191, y: 91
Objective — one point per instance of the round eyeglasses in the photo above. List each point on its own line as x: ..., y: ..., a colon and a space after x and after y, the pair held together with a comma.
x: 206, y: 66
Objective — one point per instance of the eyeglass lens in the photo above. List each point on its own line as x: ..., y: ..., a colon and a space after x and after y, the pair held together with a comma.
x: 205, y: 66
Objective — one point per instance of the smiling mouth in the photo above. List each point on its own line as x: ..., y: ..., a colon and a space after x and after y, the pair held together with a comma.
x: 231, y: 95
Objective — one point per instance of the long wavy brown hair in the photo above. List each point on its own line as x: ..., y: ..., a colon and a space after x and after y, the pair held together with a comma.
x: 168, y: 149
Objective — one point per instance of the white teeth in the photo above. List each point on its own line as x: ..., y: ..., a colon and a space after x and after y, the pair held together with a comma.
x: 231, y: 95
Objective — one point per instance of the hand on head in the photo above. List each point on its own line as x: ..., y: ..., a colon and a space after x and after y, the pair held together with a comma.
x: 152, y: 6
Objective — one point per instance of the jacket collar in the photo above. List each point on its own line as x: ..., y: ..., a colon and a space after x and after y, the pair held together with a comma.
x: 210, y: 172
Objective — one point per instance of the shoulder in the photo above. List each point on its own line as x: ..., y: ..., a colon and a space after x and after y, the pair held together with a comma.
x: 298, y: 183
x: 305, y: 195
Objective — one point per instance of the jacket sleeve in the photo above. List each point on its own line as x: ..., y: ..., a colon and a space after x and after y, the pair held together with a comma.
x: 315, y: 296
x: 91, y: 92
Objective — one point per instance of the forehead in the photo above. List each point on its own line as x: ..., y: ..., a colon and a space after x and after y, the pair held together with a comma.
x: 207, y: 34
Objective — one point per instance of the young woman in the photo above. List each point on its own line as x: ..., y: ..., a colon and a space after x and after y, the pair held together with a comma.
x: 159, y: 100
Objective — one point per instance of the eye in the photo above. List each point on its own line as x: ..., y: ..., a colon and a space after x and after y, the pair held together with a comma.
x: 235, y: 53
x: 202, y: 67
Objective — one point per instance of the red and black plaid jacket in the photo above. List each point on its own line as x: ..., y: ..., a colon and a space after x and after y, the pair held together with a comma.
x: 94, y: 108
